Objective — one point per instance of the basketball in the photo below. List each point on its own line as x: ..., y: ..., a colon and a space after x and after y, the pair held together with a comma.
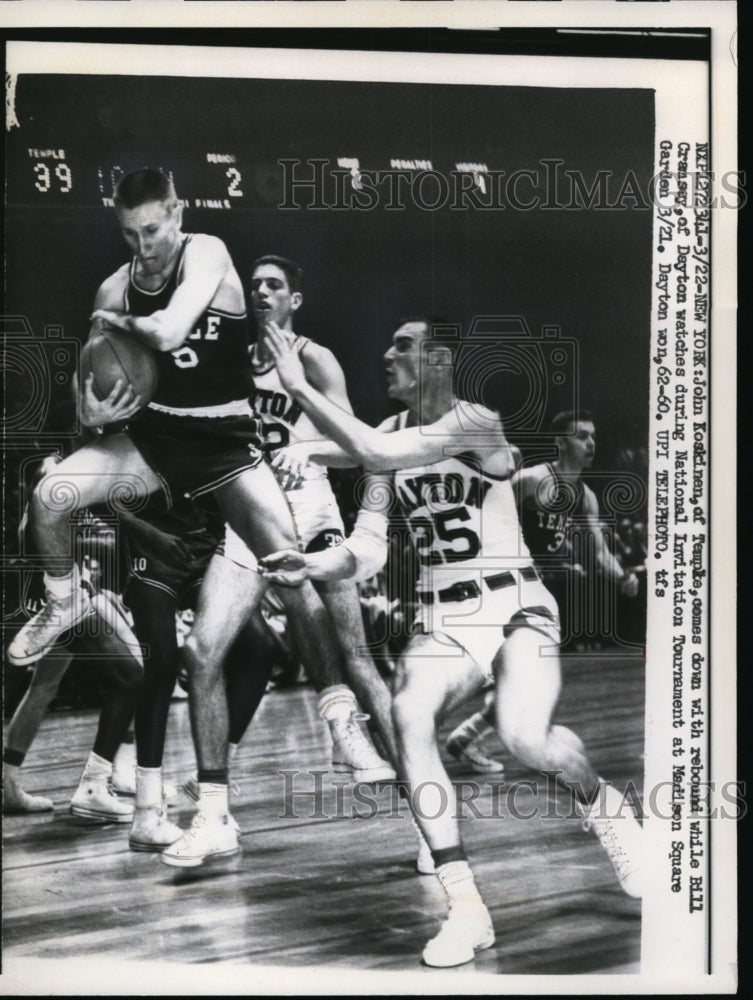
x: 113, y: 355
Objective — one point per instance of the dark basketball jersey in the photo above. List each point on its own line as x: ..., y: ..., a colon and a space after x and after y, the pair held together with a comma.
x: 550, y: 518
x: 211, y: 367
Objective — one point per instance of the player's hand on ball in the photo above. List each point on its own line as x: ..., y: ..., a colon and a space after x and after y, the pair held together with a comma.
x: 629, y: 585
x: 121, y: 404
x: 289, y: 465
x: 286, y: 568
x: 286, y: 358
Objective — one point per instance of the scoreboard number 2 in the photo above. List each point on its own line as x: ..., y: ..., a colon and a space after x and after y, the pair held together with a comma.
x: 44, y: 177
x: 234, y: 178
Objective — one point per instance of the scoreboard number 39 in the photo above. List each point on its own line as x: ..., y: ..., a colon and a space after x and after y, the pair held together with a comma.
x: 59, y: 176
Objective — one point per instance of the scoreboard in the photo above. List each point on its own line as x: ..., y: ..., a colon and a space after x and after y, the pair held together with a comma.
x: 60, y: 172
x: 290, y: 166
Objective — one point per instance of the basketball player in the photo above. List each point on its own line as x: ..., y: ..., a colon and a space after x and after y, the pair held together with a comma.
x: 559, y: 515
x: 167, y: 553
x: 181, y: 296
x: 276, y: 296
x: 480, y: 595
x: 104, y: 637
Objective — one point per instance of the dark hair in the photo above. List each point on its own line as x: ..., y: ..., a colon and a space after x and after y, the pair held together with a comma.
x: 429, y: 320
x: 143, y: 186
x: 563, y: 420
x: 293, y: 272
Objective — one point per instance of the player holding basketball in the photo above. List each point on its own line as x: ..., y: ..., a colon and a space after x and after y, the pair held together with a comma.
x: 559, y: 515
x: 181, y: 295
x: 480, y: 596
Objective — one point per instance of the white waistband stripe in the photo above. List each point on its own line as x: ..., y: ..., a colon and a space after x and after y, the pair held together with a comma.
x: 235, y: 408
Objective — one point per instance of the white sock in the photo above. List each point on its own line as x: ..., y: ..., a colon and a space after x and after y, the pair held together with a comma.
x: 213, y: 799
x: 148, y: 787
x: 96, y: 768
x: 458, y: 882
x: 337, y: 702
x: 125, y: 758
x: 61, y: 587
x: 475, y: 727
x: 10, y: 771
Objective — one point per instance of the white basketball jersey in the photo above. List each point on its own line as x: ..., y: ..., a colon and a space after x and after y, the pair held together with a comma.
x: 463, y: 520
x: 283, y: 418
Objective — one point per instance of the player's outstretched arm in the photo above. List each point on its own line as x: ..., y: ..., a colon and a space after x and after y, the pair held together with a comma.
x: 206, y: 262
x: 290, y: 568
x: 377, y: 452
x: 360, y: 556
x: 324, y: 373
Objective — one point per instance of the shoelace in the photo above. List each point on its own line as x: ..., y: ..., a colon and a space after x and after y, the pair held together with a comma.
x: 51, y: 610
x: 352, y: 732
x: 611, y: 843
x: 54, y: 606
x: 196, y: 824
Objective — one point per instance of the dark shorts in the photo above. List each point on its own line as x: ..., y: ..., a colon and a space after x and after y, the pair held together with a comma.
x: 178, y: 578
x: 193, y: 454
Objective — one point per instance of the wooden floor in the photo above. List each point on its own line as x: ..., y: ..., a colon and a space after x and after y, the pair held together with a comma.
x: 320, y: 893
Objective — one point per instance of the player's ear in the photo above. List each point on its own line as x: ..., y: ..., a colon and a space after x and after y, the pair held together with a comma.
x: 177, y: 213
x: 296, y: 300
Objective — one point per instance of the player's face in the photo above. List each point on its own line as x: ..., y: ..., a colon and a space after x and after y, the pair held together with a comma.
x: 152, y: 231
x: 271, y: 298
x: 580, y: 445
x: 403, y: 361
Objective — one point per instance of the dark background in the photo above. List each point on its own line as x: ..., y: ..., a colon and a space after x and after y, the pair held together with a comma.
x: 585, y: 270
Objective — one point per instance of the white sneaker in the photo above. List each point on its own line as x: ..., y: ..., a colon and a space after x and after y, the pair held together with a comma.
x: 621, y: 836
x: 207, y: 837
x: 96, y: 800
x: 353, y: 754
x: 16, y: 800
x: 467, y: 929
x: 465, y: 750
x: 41, y: 632
x: 151, y: 830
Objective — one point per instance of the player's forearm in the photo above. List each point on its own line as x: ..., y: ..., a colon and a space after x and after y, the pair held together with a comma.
x: 337, y: 563
x: 359, y: 441
x: 330, y: 454
x: 157, y: 331
x: 137, y: 526
x: 610, y: 566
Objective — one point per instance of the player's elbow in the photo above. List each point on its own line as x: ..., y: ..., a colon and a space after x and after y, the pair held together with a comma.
x: 159, y: 333
x: 165, y: 340
x: 374, y: 459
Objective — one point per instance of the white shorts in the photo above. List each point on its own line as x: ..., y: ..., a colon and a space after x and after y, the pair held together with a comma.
x: 317, y: 517
x: 494, y: 606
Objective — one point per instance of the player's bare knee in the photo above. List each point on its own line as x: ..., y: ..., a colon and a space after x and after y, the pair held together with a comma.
x: 199, y: 658
x: 411, y: 713
x: 52, y: 500
x: 524, y: 743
